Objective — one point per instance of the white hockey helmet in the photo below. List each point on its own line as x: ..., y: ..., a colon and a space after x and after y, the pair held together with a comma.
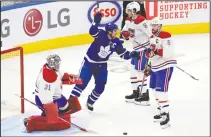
x: 53, y: 62
x: 133, y: 6
x: 156, y: 25
x: 157, y: 21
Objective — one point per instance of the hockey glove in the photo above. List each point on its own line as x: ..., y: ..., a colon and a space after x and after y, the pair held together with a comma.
x: 97, y: 18
x: 69, y: 79
x: 134, y: 54
x: 125, y: 35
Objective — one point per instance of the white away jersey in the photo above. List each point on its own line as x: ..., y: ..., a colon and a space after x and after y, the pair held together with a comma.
x: 48, y: 85
x: 139, y: 31
x: 166, y: 57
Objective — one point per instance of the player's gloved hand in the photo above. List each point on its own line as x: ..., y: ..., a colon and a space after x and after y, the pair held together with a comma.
x: 97, y: 18
x: 147, y: 70
x: 125, y: 35
x: 134, y: 54
x: 151, y: 51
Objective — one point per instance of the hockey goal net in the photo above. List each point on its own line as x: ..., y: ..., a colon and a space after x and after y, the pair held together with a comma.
x: 12, y: 81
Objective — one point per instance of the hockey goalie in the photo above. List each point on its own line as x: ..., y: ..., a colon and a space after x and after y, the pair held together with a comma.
x: 56, y: 109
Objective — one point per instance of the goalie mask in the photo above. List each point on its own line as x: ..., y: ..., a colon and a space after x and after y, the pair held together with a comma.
x: 53, y: 62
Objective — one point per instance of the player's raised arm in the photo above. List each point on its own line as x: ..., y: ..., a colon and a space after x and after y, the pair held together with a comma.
x: 94, y: 31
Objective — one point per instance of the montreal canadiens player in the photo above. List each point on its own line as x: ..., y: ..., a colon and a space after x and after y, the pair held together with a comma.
x: 49, y: 98
x: 137, y: 29
x: 162, y: 60
x: 95, y: 60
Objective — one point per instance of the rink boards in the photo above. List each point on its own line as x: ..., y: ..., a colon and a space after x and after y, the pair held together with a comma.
x: 37, y: 28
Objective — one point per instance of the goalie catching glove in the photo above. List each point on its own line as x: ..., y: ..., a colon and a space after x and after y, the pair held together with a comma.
x: 68, y: 79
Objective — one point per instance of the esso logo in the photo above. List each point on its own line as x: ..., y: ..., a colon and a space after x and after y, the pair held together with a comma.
x: 110, y: 10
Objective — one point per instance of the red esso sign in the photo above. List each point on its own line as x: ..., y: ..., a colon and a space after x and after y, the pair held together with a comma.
x: 108, y: 12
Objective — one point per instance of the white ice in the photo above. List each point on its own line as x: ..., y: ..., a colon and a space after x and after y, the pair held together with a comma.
x: 189, y: 99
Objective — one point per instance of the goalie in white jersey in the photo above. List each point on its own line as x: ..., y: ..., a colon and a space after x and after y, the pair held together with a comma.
x: 49, y: 98
x: 137, y: 29
x: 162, y: 62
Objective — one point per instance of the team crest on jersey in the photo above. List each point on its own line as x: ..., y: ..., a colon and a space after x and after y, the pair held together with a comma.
x: 132, y: 32
x: 104, y: 52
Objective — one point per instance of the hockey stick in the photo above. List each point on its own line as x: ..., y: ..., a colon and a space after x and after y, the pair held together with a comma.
x: 142, y: 82
x: 178, y: 67
x: 187, y: 73
x: 98, y: 5
x: 80, y: 128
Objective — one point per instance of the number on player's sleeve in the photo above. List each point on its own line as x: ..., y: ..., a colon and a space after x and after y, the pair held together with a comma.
x: 145, y: 25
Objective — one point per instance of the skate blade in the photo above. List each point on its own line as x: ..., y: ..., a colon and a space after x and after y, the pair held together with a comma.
x: 88, y: 110
x: 157, y: 120
x: 143, y: 103
x: 129, y: 100
x: 165, y: 126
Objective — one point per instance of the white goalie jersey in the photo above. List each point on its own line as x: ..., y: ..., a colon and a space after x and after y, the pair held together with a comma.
x: 48, y: 85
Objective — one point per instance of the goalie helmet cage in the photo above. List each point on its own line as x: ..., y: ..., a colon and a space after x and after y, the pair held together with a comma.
x: 15, y: 52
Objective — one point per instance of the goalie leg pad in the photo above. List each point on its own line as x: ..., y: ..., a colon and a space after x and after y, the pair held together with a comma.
x: 74, y: 104
x: 51, y: 111
x: 39, y: 123
x: 86, y: 75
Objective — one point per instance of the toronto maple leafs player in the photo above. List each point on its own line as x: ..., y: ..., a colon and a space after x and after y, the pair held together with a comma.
x: 95, y: 60
x: 137, y: 29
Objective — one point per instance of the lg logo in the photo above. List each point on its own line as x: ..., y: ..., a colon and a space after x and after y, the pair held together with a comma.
x: 5, y: 28
x: 33, y: 21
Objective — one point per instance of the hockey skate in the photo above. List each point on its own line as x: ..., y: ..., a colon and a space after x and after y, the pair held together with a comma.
x: 24, y: 130
x: 143, y: 99
x: 157, y: 118
x: 89, y: 106
x: 165, y: 122
x: 131, y: 98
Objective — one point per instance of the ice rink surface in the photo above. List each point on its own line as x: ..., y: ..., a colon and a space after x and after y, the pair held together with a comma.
x: 189, y: 99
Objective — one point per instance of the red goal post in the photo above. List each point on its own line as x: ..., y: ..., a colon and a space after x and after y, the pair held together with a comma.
x: 16, y: 52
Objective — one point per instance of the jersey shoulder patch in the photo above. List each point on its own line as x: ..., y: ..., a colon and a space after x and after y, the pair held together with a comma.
x: 139, y: 19
x: 164, y: 35
x: 49, y: 75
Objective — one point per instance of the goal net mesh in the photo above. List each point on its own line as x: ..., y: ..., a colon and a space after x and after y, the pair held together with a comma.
x: 12, y: 82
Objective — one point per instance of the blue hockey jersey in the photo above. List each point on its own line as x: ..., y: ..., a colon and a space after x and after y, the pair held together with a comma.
x: 102, y: 47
